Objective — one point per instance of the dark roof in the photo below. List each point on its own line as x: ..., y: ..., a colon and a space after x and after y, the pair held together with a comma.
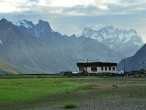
x: 99, y: 64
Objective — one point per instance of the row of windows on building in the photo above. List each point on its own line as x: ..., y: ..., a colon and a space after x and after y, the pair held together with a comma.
x: 103, y: 69
x: 94, y: 69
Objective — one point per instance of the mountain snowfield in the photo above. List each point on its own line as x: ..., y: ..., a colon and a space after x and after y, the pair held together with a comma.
x: 1, y: 43
x: 36, y: 48
x: 126, y: 42
x: 24, y: 23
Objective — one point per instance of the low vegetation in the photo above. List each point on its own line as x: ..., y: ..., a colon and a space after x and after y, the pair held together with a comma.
x: 70, y: 105
x: 56, y: 90
x: 26, y: 89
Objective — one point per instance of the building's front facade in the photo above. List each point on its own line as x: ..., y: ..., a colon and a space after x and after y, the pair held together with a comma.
x: 97, y: 67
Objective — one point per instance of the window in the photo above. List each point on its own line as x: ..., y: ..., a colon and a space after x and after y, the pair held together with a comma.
x: 105, y: 68
x: 102, y: 68
x: 81, y: 68
x: 94, y: 69
x: 114, y: 68
x: 109, y: 68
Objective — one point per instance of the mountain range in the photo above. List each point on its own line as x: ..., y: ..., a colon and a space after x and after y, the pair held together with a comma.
x: 37, y: 48
x: 135, y: 62
x: 123, y: 41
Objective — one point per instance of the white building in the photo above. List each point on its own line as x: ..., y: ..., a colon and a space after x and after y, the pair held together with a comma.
x: 97, y: 67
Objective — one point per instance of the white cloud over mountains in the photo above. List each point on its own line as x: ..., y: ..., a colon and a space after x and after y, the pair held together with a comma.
x: 74, y: 7
x: 71, y: 16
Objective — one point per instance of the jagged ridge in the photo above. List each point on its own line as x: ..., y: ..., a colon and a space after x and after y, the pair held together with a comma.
x: 126, y: 42
x: 39, y: 49
x: 135, y: 62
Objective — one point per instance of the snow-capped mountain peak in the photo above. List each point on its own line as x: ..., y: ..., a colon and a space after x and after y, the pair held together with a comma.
x: 35, y: 30
x: 133, y: 31
x: 24, y: 23
x: 114, y: 38
x: 44, y: 26
x: 108, y: 27
x: 90, y: 33
x: 110, y: 32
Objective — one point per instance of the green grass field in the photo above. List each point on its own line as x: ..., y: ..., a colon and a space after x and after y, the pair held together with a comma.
x: 26, y: 89
x: 60, y: 90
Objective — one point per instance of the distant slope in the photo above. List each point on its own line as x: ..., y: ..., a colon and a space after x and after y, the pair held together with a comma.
x: 38, y: 49
x: 7, y: 69
x: 136, y: 62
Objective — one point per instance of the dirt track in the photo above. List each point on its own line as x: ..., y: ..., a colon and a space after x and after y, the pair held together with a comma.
x: 114, y: 104
x: 106, y: 104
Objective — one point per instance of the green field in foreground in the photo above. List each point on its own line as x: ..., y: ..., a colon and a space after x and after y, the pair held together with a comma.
x: 26, y: 89
x: 30, y: 89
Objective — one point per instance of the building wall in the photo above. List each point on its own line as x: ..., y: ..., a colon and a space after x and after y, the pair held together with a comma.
x: 89, y: 69
x: 105, y: 70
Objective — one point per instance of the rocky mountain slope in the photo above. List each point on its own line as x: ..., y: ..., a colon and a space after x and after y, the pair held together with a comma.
x: 136, y: 62
x: 36, y: 48
x: 7, y: 69
x: 126, y: 42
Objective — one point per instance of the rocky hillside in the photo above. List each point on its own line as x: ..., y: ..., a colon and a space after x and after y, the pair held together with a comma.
x: 136, y: 62
x: 7, y: 69
x: 36, y: 48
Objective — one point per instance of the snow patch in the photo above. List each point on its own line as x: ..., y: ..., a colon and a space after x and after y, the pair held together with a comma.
x: 113, y: 37
x: 24, y: 23
x: 1, y: 43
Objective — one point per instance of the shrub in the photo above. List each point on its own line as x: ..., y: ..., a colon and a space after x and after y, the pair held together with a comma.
x: 115, y: 86
x: 70, y: 105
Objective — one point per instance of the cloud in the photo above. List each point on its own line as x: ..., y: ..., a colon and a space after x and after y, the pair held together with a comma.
x: 126, y: 7
x: 74, y: 7
x: 70, y: 3
x: 71, y: 16
x: 33, y: 1
x: 11, y: 5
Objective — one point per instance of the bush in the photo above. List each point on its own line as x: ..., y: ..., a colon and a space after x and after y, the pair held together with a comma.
x: 70, y: 105
x: 66, y: 73
x: 115, y: 86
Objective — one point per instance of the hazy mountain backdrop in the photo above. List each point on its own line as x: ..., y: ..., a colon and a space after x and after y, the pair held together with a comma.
x: 136, y: 62
x: 37, y: 48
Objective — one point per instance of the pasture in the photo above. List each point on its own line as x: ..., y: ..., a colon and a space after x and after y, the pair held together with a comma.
x: 31, y: 92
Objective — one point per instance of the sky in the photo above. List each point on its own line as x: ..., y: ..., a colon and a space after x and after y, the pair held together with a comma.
x: 72, y: 16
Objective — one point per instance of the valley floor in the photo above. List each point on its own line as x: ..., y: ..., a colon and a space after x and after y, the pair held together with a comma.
x: 105, y: 104
x: 86, y: 93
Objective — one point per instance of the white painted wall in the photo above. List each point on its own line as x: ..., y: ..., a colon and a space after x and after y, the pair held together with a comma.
x: 89, y: 69
x: 102, y: 71
x: 108, y: 71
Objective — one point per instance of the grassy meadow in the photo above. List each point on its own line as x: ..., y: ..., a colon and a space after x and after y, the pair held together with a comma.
x: 26, y: 89
x: 48, y: 91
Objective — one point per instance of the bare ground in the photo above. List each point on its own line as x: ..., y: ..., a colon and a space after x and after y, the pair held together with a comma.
x: 105, y: 104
